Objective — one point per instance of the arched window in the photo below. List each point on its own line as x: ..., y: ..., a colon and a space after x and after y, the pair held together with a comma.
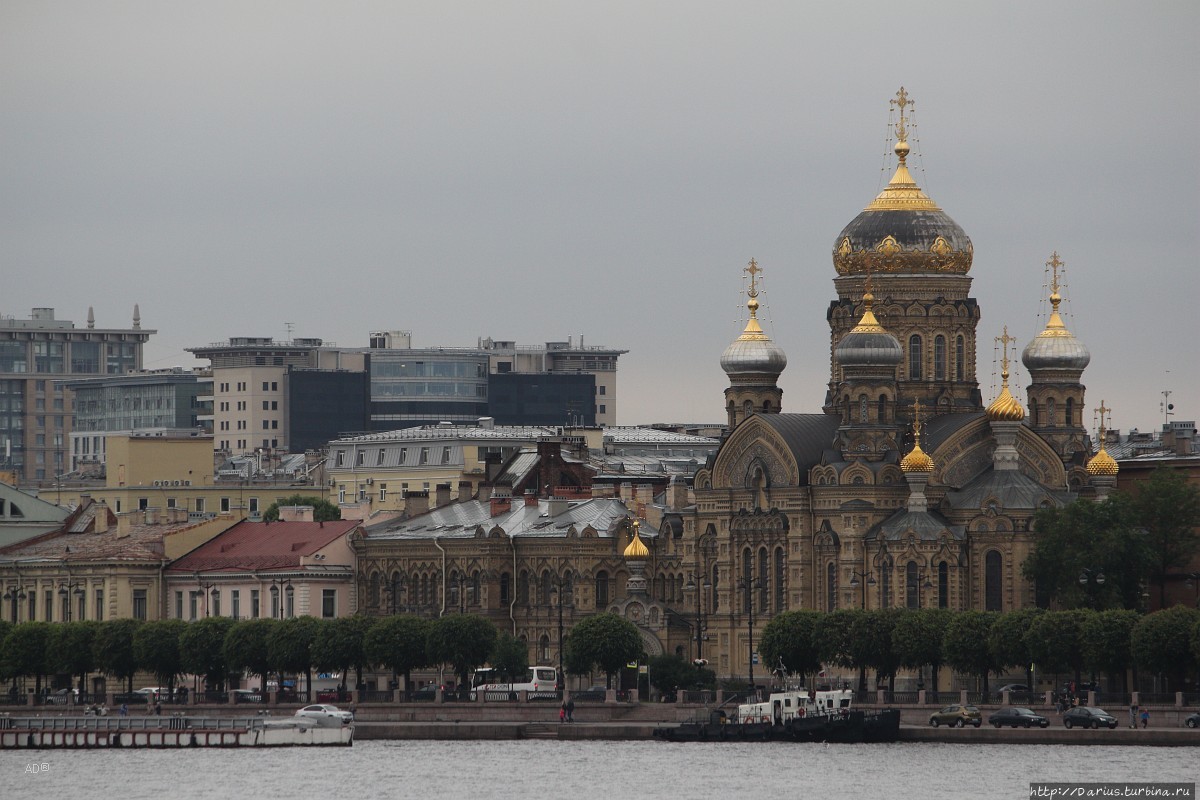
x: 1033, y: 412
x: 505, y: 588
x: 881, y: 411
x: 939, y: 358
x: 544, y: 649
x: 373, y: 600
x: 960, y: 358
x: 716, y: 576
x: 1069, y: 412
x: 862, y: 408
x: 763, y: 584
x: 476, y: 594
x: 885, y: 584
x: 1050, y: 412
x: 523, y: 587
x: 830, y: 587
x: 993, y: 577
x: 747, y: 408
x: 547, y: 584
x: 912, y: 592
x: 778, y: 604
x: 914, y: 357
x: 943, y: 585
x: 747, y: 577
x: 601, y: 590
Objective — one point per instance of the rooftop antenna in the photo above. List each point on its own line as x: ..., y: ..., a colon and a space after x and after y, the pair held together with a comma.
x: 290, y: 326
x: 1168, y: 408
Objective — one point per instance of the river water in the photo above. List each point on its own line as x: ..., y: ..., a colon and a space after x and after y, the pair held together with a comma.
x: 525, y: 770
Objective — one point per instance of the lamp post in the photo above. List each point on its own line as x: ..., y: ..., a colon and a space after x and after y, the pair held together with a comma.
x: 560, y: 589
x: 1090, y: 577
x: 393, y: 591
x: 66, y: 590
x: 15, y: 594
x: 868, y: 579
x: 748, y: 585
x: 923, y: 582
x: 207, y: 590
x: 693, y: 586
x: 279, y: 586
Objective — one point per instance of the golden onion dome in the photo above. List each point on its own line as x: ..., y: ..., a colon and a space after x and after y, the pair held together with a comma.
x: 637, y: 550
x: 1005, y: 407
x: 1102, y: 464
x: 917, y: 461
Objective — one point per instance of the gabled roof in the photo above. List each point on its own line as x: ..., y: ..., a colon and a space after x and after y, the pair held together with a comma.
x: 76, y: 541
x: 260, y: 546
x: 927, y: 525
x: 941, y: 427
x: 547, y: 518
x: 1011, y: 489
x: 807, y: 436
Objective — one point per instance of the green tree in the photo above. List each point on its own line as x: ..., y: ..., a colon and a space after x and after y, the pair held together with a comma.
x: 1161, y: 642
x: 114, y: 653
x: 1055, y: 640
x: 789, y: 639
x: 202, y: 650
x: 1167, y: 507
x: 835, y: 642
x: 917, y: 639
x: 464, y: 641
x: 602, y: 641
x: 1008, y: 640
x: 156, y: 648
x: 873, y: 643
x: 71, y: 649
x: 246, y: 648
x: 965, y: 646
x: 323, y: 510
x: 1087, y: 539
x: 338, y: 646
x: 5, y: 629
x: 510, y: 656
x: 289, y: 648
x: 1107, y: 637
x: 398, y: 643
x: 669, y: 673
x: 25, y: 649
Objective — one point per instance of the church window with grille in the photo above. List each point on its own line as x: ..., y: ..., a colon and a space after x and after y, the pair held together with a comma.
x: 914, y: 357
x: 939, y: 358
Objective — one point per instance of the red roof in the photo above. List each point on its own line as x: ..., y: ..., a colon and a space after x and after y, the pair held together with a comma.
x: 256, y: 546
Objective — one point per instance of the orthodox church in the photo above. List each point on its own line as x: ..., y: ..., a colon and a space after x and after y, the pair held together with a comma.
x: 904, y: 490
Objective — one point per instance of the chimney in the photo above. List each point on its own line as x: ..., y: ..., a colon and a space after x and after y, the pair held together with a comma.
x: 295, y: 513
x: 442, y: 498
x: 416, y: 502
x: 485, y: 492
x: 151, y: 516
x: 530, y: 497
x: 100, y: 519
x: 500, y: 506
x: 464, y: 491
x: 124, y: 524
x: 627, y: 492
x: 678, y: 494
x: 491, y: 466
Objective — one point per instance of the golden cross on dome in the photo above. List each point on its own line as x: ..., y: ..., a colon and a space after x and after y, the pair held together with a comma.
x: 917, y: 419
x: 1004, y: 341
x: 753, y: 269
x: 1055, y: 264
x: 901, y: 102
x: 1102, y: 411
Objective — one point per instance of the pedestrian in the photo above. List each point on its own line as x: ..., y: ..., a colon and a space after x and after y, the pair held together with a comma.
x: 1145, y: 717
x: 562, y: 713
x: 157, y: 708
x: 124, y: 712
x: 570, y: 710
x: 1133, y: 715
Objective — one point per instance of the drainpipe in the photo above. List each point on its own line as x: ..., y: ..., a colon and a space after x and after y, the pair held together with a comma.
x: 442, y: 613
x: 512, y: 604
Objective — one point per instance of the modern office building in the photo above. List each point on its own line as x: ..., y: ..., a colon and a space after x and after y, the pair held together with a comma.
x: 37, y: 356
x: 156, y: 399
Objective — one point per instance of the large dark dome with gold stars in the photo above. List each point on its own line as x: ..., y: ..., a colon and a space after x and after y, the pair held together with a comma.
x: 902, y: 230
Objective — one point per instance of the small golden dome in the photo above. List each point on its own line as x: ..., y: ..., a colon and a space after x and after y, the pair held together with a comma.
x: 917, y: 461
x: 1102, y: 464
x: 637, y: 550
x: 1006, y: 408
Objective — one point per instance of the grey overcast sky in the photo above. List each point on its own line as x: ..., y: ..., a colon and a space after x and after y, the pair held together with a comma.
x: 539, y: 170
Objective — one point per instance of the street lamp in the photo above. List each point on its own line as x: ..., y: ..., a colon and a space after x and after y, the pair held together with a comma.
x: 561, y: 591
x: 15, y: 594
x: 698, y: 588
x: 281, y: 585
x: 65, y: 590
x: 869, y: 579
x: 1089, y: 576
x: 748, y: 586
x: 393, y: 591
x: 923, y: 582
x: 207, y: 590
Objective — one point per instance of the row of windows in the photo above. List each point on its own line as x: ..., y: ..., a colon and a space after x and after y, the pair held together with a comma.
x: 916, y: 584
x: 283, y: 604
x: 916, y: 358
x: 424, y: 590
x: 71, y: 605
x: 243, y: 444
x: 423, y: 456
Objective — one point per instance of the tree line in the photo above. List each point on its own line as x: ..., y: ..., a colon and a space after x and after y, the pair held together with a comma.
x: 979, y: 643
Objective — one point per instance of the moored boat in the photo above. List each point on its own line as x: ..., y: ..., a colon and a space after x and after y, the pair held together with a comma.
x: 18, y: 733
x: 792, y: 714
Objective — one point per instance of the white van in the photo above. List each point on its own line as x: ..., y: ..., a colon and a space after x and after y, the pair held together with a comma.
x: 538, y: 681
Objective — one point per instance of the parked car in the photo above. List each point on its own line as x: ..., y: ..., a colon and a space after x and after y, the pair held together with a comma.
x: 1192, y: 721
x: 592, y: 693
x: 1018, y: 717
x: 1088, y: 717
x: 325, y: 713
x: 155, y: 694
x: 1012, y: 687
x: 956, y: 715
x: 247, y: 696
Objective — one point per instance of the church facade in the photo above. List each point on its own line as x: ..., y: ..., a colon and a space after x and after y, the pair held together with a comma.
x: 905, y: 490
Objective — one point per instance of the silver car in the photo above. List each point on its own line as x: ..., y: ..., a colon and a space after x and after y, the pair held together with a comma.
x: 324, y: 714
